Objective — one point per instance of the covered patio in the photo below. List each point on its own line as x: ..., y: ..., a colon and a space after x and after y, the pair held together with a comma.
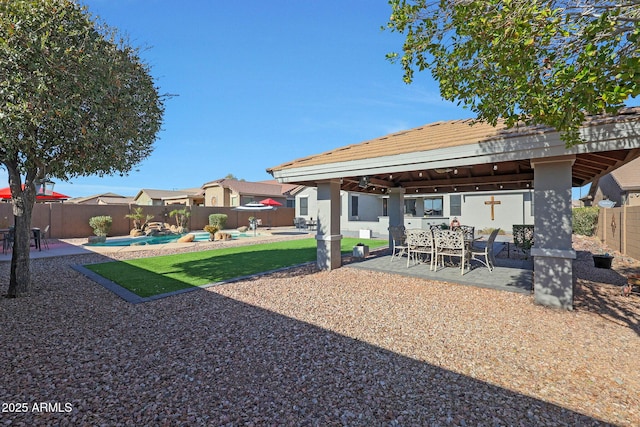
x: 459, y: 155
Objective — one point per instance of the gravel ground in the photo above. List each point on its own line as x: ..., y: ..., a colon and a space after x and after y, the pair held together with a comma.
x: 304, y: 347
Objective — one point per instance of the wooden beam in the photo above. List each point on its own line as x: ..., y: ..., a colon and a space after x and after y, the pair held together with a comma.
x: 477, y: 180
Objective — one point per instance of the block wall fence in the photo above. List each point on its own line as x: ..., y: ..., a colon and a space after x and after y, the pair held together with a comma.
x: 619, y: 229
x: 69, y: 220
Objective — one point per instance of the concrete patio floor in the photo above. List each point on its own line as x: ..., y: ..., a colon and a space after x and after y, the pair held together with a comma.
x: 514, y: 275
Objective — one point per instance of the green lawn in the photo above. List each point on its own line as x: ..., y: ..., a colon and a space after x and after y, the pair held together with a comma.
x: 158, y: 275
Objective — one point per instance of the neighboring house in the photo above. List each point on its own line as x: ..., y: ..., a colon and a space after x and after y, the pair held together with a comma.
x: 103, y: 199
x: 232, y: 192
x: 187, y: 197
x: 621, y: 186
x: 484, y: 210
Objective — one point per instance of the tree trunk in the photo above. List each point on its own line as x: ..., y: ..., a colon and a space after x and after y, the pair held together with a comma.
x: 23, y: 201
x: 20, y: 281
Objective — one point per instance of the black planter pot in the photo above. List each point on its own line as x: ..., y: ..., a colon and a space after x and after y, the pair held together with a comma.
x: 602, y: 261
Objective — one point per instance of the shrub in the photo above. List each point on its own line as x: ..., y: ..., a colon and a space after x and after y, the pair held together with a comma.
x: 100, y: 224
x: 218, y: 220
x: 211, y: 229
x: 585, y: 220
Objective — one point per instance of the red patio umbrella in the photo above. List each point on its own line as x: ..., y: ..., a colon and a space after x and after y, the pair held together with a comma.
x: 270, y: 202
x: 5, y: 194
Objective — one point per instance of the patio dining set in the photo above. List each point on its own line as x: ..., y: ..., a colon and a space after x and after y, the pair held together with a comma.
x: 39, y: 237
x: 440, y: 247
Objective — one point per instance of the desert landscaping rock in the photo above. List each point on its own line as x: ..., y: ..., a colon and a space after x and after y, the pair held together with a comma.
x: 307, y: 347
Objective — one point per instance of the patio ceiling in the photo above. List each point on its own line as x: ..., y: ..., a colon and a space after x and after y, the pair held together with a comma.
x: 462, y: 156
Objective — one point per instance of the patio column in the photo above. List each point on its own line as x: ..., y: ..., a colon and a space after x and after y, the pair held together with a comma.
x: 395, y: 209
x: 553, y: 252
x: 328, y: 236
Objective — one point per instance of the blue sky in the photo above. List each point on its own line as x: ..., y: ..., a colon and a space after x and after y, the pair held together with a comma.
x: 259, y: 83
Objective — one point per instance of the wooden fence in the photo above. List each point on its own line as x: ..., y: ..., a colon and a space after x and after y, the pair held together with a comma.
x: 619, y: 229
x: 69, y: 220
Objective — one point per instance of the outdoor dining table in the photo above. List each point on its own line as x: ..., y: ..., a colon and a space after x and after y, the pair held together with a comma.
x: 8, y: 232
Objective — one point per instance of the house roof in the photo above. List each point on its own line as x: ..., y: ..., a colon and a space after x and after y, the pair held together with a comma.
x: 268, y: 188
x: 462, y: 155
x: 94, y: 196
x: 628, y: 176
x: 161, y: 194
x: 114, y: 200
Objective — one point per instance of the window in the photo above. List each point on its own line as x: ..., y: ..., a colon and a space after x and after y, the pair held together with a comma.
x: 455, y: 205
x: 410, y: 207
x: 385, y: 207
x: 291, y: 203
x: 433, y: 206
x: 354, y: 205
x: 304, y: 206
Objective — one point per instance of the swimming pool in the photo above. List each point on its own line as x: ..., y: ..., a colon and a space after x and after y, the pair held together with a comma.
x: 202, y: 236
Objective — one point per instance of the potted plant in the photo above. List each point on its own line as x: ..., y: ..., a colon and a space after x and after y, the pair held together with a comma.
x: 360, y: 251
x: 602, y: 260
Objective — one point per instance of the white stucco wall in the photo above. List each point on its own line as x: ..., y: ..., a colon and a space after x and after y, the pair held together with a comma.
x: 515, y: 208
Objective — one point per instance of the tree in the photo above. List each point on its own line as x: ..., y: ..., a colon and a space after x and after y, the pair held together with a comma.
x: 546, y: 62
x: 76, y: 100
x: 139, y: 218
x: 232, y: 176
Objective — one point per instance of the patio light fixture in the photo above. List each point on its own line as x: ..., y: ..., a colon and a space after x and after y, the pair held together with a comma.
x: 44, y: 186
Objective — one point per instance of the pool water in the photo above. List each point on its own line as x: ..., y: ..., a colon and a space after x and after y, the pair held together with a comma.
x: 159, y: 240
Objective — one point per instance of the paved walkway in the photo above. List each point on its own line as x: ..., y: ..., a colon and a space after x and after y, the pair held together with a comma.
x: 515, y: 275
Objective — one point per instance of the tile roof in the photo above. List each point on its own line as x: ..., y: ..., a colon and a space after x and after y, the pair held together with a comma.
x: 443, y: 134
x: 269, y: 188
x: 159, y: 194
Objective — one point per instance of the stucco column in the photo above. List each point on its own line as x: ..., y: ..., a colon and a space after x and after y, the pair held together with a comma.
x: 328, y: 236
x: 395, y: 209
x: 553, y: 250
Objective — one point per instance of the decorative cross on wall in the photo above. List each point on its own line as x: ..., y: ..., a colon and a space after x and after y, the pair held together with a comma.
x: 492, y: 202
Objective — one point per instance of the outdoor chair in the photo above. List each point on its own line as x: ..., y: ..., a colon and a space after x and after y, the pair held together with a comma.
x: 300, y: 223
x: 477, y: 253
x: 450, y: 243
x: 420, y: 242
x: 44, y: 237
x: 469, y: 232
x: 7, y: 240
x: 399, y: 240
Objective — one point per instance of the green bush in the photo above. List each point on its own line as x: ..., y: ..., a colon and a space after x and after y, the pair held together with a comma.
x: 218, y: 220
x: 101, y: 225
x: 585, y: 220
